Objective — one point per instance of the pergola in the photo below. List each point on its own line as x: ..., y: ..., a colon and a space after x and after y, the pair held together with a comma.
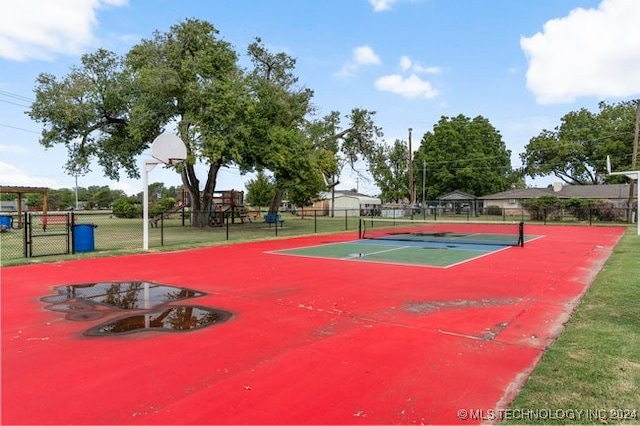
x: 26, y: 190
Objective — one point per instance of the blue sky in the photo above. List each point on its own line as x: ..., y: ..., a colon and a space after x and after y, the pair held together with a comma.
x: 521, y: 64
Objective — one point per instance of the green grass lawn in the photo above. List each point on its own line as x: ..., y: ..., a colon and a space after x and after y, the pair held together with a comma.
x: 115, y: 236
x: 595, y: 364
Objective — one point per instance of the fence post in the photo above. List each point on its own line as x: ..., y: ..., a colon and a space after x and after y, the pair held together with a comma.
x: 227, y: 226
x: 73, y: 233
x: 71, y: 221
x: 346, y: 219
x: 315, y: 220
x: 162, y: 230
x: 26, y: 234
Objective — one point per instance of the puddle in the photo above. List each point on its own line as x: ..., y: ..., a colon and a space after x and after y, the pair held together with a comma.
x: 177, y: 318
x: 151, y: 301
x: 122, y: 295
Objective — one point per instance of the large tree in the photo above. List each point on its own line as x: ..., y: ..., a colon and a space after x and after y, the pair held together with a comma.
x: 187, y: 80
x: 112, y: 108
x: 576, y: 151
x: 463, y: 154
x: 275, y: 138
x: 336, y: 145
x: 390, y: 169
x: 190, y: 78
x: 88, y: 112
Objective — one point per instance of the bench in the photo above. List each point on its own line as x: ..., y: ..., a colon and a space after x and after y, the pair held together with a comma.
x: 273, y: 218
x: 47, y: 220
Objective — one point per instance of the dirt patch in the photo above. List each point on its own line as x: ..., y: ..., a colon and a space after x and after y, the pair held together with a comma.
x: 430, y: 307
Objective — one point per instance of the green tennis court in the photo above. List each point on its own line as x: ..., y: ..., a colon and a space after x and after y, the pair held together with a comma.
x: 397, y: 252
x: 417, y: 243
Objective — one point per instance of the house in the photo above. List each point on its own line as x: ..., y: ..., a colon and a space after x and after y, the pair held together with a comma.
x: 353, y: 203
x: 510, y: 202
x: 457, y: 202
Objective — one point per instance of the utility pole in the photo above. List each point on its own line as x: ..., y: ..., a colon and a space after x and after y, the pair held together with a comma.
x: 634, y: 158
x: 424, y: 184
x: 411, y: 200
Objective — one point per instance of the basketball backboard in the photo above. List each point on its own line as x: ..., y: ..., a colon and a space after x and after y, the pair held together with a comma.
x: 168, y: 148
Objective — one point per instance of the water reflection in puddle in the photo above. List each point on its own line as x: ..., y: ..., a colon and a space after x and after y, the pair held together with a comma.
x: 127, y: 295
x: 177, y: 318
x: 90, y: 302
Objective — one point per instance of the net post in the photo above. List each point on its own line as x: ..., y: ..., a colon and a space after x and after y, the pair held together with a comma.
x: 360, y: 228
x: 521, y: 234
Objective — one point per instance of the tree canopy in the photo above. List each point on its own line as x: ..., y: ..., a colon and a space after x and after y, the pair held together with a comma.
x: 466, y: 155
x: 576, y: 150
x: 188, y: 80
x: 390, y: 169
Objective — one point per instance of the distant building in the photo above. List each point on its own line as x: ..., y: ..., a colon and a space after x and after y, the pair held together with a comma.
x: 12, y: 206
x: 510, y: 202
x: 353, y: 203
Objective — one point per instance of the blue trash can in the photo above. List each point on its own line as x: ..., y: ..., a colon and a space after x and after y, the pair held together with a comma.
x: 83, y: 237
x: 5, y: 221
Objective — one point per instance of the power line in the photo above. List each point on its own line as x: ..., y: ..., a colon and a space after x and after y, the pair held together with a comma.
x: 16, y: 96
x: 19, y: 128
x: 15, y: 103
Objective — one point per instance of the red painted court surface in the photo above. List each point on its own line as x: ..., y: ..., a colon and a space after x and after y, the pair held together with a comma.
x: 310, y: 340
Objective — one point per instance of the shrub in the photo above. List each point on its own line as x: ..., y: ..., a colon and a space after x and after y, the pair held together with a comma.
x: 163, y: 205
x: 579, y: 208
x: 494, y: 210
x: 125, y: 208
x: 548, y: 206
x: 607, y: 212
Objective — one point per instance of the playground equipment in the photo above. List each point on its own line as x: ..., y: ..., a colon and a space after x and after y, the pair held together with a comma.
x: 153, y: 222
x: 228, y: 204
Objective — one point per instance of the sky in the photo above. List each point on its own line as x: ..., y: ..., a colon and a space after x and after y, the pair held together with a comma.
x: 520, y: 64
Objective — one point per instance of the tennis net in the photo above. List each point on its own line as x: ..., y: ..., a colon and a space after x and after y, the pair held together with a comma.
x: 419, y: 231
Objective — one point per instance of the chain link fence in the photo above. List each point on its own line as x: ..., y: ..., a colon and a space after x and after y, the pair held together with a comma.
x: 74, y: 234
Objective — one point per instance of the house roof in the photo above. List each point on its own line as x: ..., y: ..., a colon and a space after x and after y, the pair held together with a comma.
x: 620, y: 190
x: 612, y: 191
x: 362, y: 198
x: 457, y: 195
x: 518, y: 194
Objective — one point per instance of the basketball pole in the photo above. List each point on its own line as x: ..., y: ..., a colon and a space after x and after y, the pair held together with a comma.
x: 148, y: 166
x: 167, y: 149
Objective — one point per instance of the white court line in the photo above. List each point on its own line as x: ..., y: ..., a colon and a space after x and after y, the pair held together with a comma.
x: 378, y: 252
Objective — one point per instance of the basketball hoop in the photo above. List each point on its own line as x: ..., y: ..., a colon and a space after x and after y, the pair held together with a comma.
x: 169, y: 149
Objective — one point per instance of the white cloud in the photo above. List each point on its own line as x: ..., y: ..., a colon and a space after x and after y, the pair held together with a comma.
x: 382, y: 5
x: 589, y: 53
x: 411, y: 87
x: 13, y: 176
x: 41, y: 29
x: 407, y: 64
x: 362, y: 56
